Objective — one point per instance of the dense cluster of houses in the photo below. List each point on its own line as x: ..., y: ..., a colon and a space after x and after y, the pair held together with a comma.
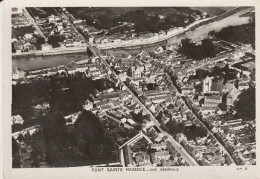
x: 23, y: 36
x: 239, y: 137
x: 143, y: 150
x: 55, y: 25
x: 212, y: 94
x: 163, y: 97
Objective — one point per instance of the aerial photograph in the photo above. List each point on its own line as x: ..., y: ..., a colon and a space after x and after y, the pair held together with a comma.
x: 133, y: 86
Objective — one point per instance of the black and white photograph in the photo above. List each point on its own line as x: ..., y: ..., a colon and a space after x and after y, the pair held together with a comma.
x: 132, y: 88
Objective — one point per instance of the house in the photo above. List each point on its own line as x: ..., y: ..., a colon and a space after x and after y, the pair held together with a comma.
x: 102, y: 114
x: 53, y: 18
x: 228, y: 87
x: 207, y: 110
x: 105, y: 107
x: 46, y: 47
x: 117, y: 104
x: 232, y: 96
x: 17, y: 119
x: 163, y: 155
x: 28, y: 36
x: 88, y: 105
x: 146, y: 160
x: 158, y: 99
x: 181, y: 137
x: 131, y: 121
x: 102, y: 103
x: 77, y: 21
x: 159, y: 147
x: 156, y: 93
x: 213, y: 100
x: 109, y: 96
x: 217, y: 161
x: 168, y: 101
x: 195, y: 81
x: 94, y: 110
x: 135, y: 72
x: 187, y: 90
x: 243, y: 86
x: 142, y: 159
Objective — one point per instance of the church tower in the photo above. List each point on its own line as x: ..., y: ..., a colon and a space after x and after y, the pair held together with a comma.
x: 207, y: 83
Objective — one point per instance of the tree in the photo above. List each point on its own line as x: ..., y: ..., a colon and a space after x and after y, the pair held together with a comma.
x: 55, y: 138
x: 89, y: 127
x: 212, y: 33
x: 245, y: 106
x: 13, y: 48
x: 208, y: 47
x: 15, y: 154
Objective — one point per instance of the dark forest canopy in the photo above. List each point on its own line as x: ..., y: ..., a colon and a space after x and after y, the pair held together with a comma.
x: 79, y: 144
x: 238, y: 34
x: 245, y: 106
x: 65, y: 94
x: 144, y: 19
x: 197, y: 52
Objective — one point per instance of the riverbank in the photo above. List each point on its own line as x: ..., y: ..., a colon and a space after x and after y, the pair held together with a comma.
x: 40, y: 62
x: 137, y: 44
x: 48, y: 53
x: 163, y: 38
x: 28, y: 63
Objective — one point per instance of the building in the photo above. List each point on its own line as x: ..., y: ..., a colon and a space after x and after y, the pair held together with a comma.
x: 88, y: 105
x: 207, y: 110
x: 232, y: 96
x: 53, y: 18
x: 135, y: 72
x: 17, y: 119
x: 228, y: 87
x: 155, y: 93
x: 46, y: 47
x: 212, y: 87
x: 187, y: 90
x: 131, y: 121
x: 207, y: 83
x: 216, y: 87
x: 142, y: 159
x: 163, y: 155
x: 243, y: 86
x: 102, y: 103
x: 213, y: 100
x: 159, y: 147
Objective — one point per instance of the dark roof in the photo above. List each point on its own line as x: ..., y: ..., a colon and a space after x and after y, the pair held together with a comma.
x: 212, y: 97
x: 217, y: 86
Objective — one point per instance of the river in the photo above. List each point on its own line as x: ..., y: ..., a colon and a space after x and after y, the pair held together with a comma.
x: 47, y: 61
x: 203, y: 30
x: 50, y: 61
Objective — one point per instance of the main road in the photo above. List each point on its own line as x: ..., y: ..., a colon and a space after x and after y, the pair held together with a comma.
x: 98, y: 53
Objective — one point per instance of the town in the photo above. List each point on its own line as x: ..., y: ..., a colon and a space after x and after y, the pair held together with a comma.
x: 189, y: 103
